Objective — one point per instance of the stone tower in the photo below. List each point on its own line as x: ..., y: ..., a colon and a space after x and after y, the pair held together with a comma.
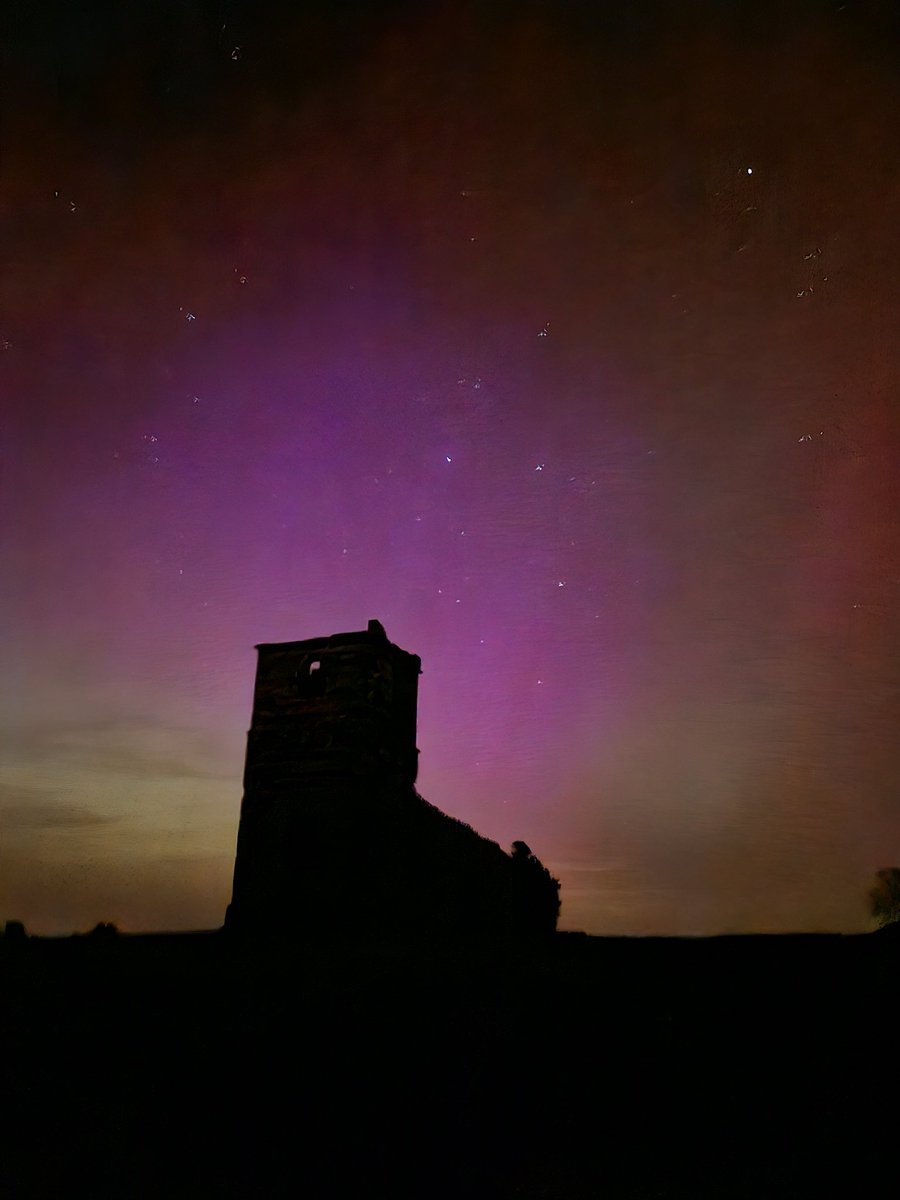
x: 331, y: 754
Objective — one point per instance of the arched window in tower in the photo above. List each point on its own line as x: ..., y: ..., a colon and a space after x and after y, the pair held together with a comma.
x: 310, y: 678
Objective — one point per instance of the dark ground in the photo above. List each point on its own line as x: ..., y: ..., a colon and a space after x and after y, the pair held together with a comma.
x: 156, y: 1066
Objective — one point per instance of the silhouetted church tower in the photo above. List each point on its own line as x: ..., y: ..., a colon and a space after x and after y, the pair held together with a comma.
x: 333, y: 727
x: 334, y: 840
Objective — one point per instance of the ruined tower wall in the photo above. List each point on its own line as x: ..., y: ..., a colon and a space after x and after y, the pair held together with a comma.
x: 331, y: 747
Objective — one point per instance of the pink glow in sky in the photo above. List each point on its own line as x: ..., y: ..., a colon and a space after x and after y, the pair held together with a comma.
x: 563, y: 345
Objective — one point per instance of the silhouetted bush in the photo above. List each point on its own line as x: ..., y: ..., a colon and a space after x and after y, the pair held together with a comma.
x: 14, y: 931
x: 884, y: 896
x: 535, y: 894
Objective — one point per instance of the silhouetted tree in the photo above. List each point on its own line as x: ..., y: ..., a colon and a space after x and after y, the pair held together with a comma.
x: 885, y: 896
x: 104, y: 929
x: 14, y: 931
x: 535, y: 893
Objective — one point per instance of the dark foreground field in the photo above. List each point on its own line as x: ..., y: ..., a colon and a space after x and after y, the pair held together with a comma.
x: 166, y: 1066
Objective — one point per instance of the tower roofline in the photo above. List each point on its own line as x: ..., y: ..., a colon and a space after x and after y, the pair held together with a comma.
x: 373, y: 636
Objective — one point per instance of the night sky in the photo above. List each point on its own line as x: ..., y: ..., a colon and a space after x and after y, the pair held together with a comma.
x: 560, y: 337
